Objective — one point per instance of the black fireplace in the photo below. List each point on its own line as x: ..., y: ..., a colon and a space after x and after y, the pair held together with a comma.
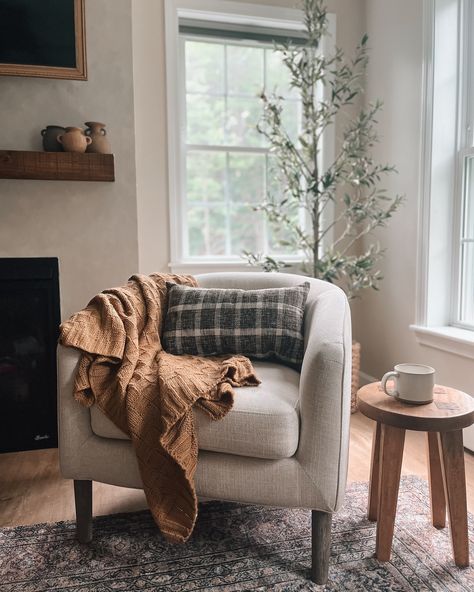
x: 29, y: 324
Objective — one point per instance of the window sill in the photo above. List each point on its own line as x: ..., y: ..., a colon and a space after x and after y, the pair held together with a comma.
x: 450, y: 339
x: 196, y: 267
x: 213, y: 265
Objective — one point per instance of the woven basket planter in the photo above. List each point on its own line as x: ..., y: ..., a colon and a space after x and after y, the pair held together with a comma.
x: 355, y: 375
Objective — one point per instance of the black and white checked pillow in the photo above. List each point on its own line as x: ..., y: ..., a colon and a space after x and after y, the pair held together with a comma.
x: 256, y: 323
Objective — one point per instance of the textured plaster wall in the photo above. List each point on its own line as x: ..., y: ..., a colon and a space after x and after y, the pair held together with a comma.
x: 381, y: 320
x: 91, y: 227
x: 151, y: 156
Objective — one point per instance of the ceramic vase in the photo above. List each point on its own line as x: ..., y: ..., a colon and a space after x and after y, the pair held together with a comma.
x: 74, y: 140
x: 50, y: 138
x: 96, y: 132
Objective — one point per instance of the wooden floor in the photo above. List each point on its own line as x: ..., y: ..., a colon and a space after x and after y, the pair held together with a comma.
x: 32, y: 490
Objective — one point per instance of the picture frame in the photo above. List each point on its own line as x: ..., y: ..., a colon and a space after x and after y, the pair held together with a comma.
x: 29, y: 32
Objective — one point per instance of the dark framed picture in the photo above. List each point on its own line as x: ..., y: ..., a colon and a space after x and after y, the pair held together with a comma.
x: 44, y: 38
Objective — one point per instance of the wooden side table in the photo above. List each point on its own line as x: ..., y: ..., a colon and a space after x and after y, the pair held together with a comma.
x: 443, y: 421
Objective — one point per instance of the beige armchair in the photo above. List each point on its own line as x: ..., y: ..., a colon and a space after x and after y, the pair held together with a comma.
x: 284, y: 444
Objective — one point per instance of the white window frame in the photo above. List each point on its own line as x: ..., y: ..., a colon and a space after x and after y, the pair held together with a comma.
x: 444, y: 121
x: 228, y: 150
x: 221, y: 11
x: 466, y: 149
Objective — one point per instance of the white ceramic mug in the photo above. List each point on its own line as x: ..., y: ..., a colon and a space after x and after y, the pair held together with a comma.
x: 414, y: 383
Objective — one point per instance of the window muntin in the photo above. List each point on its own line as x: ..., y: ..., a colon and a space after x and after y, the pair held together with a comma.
x: 228, y: 168
x: 466, y: 300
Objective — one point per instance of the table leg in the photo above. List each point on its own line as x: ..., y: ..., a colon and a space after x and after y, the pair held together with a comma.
x: 391, y: 454
x: 454, y: 478
x: 438, y: 499
x: 374, y: 475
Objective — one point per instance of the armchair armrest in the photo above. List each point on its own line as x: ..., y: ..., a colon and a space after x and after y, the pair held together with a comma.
x: 82, y: 454
x: 325, y: 393
x: 73, y: 419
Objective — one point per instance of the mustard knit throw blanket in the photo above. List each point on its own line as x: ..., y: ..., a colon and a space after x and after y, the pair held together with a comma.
x: 148, y: 393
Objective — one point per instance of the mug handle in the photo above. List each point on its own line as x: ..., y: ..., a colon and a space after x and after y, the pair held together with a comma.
x: 383, y: 383
x: 59, y: 138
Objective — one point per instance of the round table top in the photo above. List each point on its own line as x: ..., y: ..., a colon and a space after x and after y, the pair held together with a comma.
x: 450, y: 409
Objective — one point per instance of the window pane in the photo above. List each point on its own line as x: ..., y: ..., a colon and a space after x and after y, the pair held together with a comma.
x: 469, y: 199
x: 291, y: 119
x: 207, y: 230
x: 242, y: 118
x: 205, y: 119
x: 204, y: 67
x: 206, y: 173
x: 274, y: 180
x: 278, y: 234
x: 247, y: 178
x: 278, y: 81
x: 467, y: 248
x: 245, y: 70
x: 223, y: 81
x: 278, y: 76
x: 246, y: 229
x: 467, y: 296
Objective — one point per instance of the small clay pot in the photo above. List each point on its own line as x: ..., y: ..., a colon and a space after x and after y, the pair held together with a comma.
x: 96, y: 132
x: 50, y: 138
x: 74, y: 140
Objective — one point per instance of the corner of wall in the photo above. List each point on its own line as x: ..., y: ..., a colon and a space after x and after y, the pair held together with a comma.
x: 149, y: 89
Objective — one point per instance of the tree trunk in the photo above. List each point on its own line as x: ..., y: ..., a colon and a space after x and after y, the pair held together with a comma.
x: 316, y: 231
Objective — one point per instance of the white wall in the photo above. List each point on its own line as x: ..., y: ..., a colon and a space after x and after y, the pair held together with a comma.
x: 150, y: 134
x: 381, y: 320
x: 91, y: 227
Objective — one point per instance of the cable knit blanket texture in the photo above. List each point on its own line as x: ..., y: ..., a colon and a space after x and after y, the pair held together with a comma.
x: 148, y: 393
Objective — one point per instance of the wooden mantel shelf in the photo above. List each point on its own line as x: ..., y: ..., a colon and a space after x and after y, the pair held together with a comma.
x: 56, y: 166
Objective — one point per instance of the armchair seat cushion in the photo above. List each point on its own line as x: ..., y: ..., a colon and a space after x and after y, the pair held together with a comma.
x: 264, y: 422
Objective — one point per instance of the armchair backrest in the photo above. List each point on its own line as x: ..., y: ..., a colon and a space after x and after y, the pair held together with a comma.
x: 260, y: 280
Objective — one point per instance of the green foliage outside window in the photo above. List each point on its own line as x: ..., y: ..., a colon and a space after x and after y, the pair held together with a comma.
x: 228, y: 168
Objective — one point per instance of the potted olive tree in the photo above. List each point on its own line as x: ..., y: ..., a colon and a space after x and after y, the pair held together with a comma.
x: 329, y: 245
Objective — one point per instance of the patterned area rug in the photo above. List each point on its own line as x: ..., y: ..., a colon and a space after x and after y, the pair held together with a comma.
x: 235, y: 547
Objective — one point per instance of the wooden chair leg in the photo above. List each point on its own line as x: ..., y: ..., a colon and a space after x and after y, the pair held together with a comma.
x: 320, y: 546
x: 373, y: 503
x: 438, y: 499
x: 454, y: 478
x: 83, y: 501
x: 391, y: 455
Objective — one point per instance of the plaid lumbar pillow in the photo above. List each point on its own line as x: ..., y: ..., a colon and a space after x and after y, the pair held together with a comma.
x: 256, y: 323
